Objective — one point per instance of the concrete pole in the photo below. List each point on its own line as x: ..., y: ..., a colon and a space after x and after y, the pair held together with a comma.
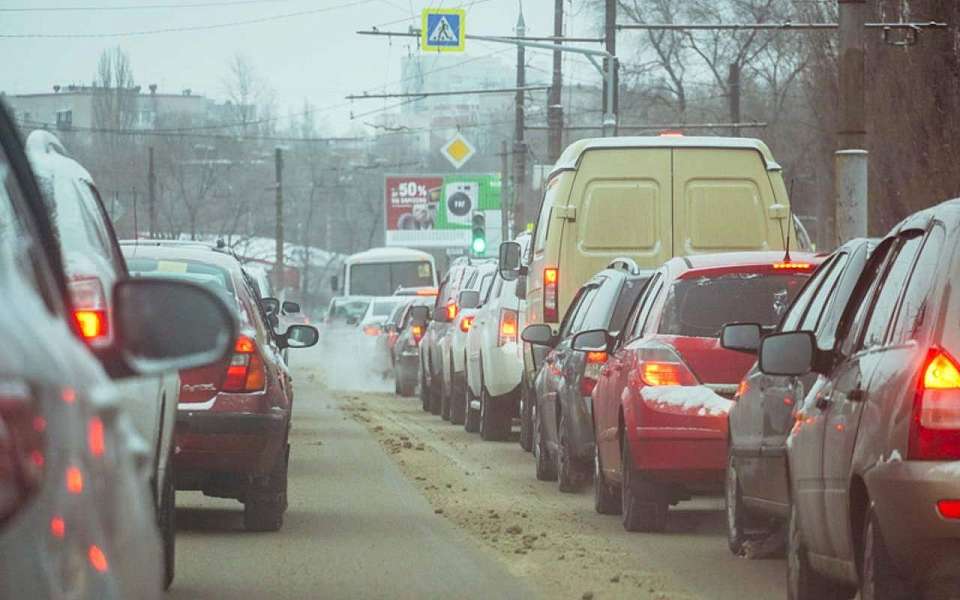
x: 519, y: 143
x: 505, y: 191
x: 152, y: 194
x: 852, y: 159
x: 733, y: 87
x: 555, y: 104
x: 611, y: 92
x: 278, y: 263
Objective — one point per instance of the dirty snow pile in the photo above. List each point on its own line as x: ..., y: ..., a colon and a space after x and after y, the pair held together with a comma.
x: 698, y: 398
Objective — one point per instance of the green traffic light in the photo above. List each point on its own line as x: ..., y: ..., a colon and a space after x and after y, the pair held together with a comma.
x: 479, y: 245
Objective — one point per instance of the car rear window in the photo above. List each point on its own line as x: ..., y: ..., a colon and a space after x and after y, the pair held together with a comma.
x: 202, y: 272
x: 700, y: 306
x: 350, y: 308
x: 383, y: 308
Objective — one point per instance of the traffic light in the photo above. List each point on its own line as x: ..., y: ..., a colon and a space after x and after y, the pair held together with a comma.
x: 478, y: 243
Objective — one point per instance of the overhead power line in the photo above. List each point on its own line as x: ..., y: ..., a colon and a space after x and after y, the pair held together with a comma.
x: 126, y: 7
x: 143, y: 32
x: 532, y: 88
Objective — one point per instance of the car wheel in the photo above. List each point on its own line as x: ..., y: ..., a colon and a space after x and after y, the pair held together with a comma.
x: 879, y: 579
x: 458, y: 408
x: 168, y: 524
x: 495, y: 421
x: 424, y: 391
x: 396, y: 385
x: 471, y: 420
x: 265, y: 503
x: 736, y: 535
x: 645, y: 504
x: 606, y: 498
x: 526, y: 422
x: 445, y: 399
x: 803, y: 583
x: 435, y: 394
x: 571, y: 474
x: 546, y: 468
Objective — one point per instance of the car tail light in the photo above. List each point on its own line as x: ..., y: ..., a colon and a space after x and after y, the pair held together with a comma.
x: 509, y: 323
x: 788, y: 265
x: 452, y: 311
x: 90, y: 309
x: 22, y: 437
x: 935, y: 430
x: 661, y: 366
x: 949, y: 509
x: 591, y: 372
x: 427, y: 292
x: 551, y: 295
x: 246, y: 372
x: 466, y: 323
x: 371, y: 330
x: 417, y: 332
x: 742, y: 389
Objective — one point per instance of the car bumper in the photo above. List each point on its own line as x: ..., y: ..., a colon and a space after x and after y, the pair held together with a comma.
x: 407, y: 367
x: 502, y: 371
x: 922, y: 543
x: 247, y: 443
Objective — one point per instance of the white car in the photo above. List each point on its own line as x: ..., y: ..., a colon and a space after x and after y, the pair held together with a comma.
x: 94, y: 263
x: 494, y: 361
x: 453, y: 345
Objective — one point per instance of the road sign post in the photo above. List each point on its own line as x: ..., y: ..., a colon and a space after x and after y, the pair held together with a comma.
x: 443, y: 30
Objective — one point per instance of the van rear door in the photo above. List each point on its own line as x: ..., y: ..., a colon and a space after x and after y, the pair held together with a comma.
x: 721, y: 202
x: 624, y: 195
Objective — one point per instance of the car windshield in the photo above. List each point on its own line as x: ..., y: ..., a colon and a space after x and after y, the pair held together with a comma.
x: 700, y: 306
x: 382, y: 308
x: 383, y: 279
x: 350, y: 309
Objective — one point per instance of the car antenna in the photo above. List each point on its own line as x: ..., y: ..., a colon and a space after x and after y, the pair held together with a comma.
x: 786, y: 256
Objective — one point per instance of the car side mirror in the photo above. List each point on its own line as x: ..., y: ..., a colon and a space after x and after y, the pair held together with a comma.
x: 539, y: 335
x: 741, y: 337
x: 334, y: 283
x: 592, y: 340
x: 300, y: 336
x: 291, y: 308
x: 509, y: 260
x: 787, y: 354
x: 270, y: 306
x: 166, y: 326
x: 469, y: 299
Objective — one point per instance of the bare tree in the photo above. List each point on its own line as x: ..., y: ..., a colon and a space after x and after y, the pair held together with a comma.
x: 115, y: 100
x: 245, y: 91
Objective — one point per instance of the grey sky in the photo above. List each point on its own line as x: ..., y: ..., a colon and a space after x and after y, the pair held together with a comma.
x: 316, y: 56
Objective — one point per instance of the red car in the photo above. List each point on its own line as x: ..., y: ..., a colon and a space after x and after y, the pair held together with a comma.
x: 233, y: 420
x: 661, y: 402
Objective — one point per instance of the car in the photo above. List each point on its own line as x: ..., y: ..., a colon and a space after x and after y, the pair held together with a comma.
x: 233, y: 420
x: 453, y: 345
x: 563, y: 442
x: 373, y: 324
x: 406, y: 353
x: 94, y: 263
x: 445, y: 310
x: 430, y: 292
x: 74, y: 471
x: 493, y: 362
x: 346, y: 310
x: 873, y: 452
x: 661, y: 401
x: 681, y: 196
x: 764, y: 410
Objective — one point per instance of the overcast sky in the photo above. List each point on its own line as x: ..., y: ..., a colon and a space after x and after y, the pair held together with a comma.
x: 316, y: 56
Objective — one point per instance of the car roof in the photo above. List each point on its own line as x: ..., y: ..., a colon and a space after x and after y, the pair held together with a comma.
x: 186, y: 252
x: 571, y: 156
x: 680, y: 265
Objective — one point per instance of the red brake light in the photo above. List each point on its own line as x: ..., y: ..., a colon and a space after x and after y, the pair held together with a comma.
x: 371, y: 330
x: 90, y: 309
x: 427, y: 292
x: 660, y: 373
x: 591, y: 372
x: 92, y: 323
x: 22, y: 445
x: 742, y: 389
x: 74, y: 480
x: 551, y: 295
x: 949, y: 509
x: 452, y: 311
x: 466, y: 323
x: 671, y: 133
x: 246, y: 372
x: 95, y: 438
x: 98, y: 560
x: 509, y: 323
x: 935, y: 430
x: 792, y: 266
x: 417, y: 333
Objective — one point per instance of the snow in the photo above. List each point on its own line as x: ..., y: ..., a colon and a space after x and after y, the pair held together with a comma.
x: 690, y: 398
x: 950, y: 469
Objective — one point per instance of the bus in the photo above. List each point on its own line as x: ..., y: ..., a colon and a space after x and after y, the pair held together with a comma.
x: 382, y: 271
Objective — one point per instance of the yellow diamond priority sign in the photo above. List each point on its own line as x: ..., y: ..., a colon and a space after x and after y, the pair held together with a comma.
x: 458, y: 151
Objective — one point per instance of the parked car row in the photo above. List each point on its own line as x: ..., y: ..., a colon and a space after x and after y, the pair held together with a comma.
x: 108, y: 348
x: 706, y: 354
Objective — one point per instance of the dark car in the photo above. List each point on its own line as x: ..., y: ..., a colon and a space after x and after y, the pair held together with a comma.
x: 233, y: 424
x: 445, y: 312
x: 874, y: 450
x: 75, y: 506
x: 757, y: 487
x: 406, y: 353
x: 563, y: 442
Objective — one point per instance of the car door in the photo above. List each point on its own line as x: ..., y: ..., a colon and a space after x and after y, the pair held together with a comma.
x: 844, y: 397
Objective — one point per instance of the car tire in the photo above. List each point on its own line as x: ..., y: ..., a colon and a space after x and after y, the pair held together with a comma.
x: 571, y: 473
x: 645, y: 503
x: 445, y: 391
x: 435, y: 394
x: 546, y: 468
x: 735, y: 513
x: 424, y: 390
x: 458, y: 409
x: 606, y: 498
x: 803, y: 583
x: 167, y: 520
x: 495, y: 421
x: 265, y: 504
x: 407, y: 390
x: 396, y: 385
x: 526, y: 422
x: 471, y: 419
x: 879, y: 579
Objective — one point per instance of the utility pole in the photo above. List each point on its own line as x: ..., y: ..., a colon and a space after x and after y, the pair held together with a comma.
x: 852, y: 158
x: 733, y: 89
x: 504, y: 190
x: 555, y: 104
x: 279, y: 274
x: 611, y: 97
x: 519, y: 144
x: 151, y: 194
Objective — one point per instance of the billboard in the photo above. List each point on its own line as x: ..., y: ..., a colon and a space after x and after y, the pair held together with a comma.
x: 434, y: 211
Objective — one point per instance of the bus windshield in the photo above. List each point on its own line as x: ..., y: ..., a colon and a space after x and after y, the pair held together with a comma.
x: 383, y: 279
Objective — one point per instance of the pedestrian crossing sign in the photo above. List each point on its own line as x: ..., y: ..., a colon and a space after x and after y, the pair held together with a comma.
x: 443, y: 29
